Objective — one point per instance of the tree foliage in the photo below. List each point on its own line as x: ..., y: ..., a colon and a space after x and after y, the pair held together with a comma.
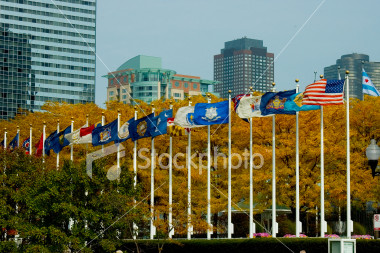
x: 55, y: 197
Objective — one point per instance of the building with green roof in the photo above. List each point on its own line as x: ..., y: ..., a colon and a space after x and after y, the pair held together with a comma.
x: 143, y: 78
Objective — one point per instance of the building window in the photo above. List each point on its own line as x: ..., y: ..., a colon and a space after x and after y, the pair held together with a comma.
x: 125, y: 79
x: 177, y: 95
x: 186, y: 85
x: 124, y: 91
x: 195, y: 86
x: 124, y: 97
x: 176, y: 84
x: 111, y: 93
x: 111, y: 81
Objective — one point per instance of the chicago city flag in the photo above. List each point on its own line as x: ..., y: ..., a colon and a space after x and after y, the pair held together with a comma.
x: 368, y: 87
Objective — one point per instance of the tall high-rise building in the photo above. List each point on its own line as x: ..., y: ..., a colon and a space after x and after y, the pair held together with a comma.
x: 354, y: 63
x: 243, y: 63
x: 47, y: 53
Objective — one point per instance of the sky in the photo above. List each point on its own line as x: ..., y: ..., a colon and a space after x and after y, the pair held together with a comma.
x: 304, y: 35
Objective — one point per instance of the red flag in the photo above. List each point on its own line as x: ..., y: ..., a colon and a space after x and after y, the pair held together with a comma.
x: 39, y: 146
x: 86, y: 130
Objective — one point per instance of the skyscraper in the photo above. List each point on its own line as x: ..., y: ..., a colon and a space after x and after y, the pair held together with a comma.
x: 241, y: 64
x: 354, y: 63
x: 47, y: 53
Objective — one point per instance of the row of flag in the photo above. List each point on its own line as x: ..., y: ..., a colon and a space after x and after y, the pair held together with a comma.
x: 322, y: 92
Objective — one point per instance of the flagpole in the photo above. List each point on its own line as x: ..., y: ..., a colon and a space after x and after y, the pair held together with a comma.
x: 251, y: 224
x: 230, y: 225
x: 209, y: 225
x: 171, y: 228
x: 79, y: 133
x: 72, y: 145
x: 298, y: 225
x: 189, y: 226
x: 152, y: 227
x: 274, y: 211
x: 323, y: 230
x: 58, y: 152
x: 30, y: 139
x: 135, y: 228
x: 118, y: 144
x: 349, y: 221
x: 5, y: 138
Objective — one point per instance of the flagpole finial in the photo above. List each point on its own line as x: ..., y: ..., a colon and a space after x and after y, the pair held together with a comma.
x: 321, y: 76
x: 251, y: 88
x: 58, y: 120
x: 72, y: 118
x: 338, y: 67
x: 229, y: 91
x: 102, y: 113
x: 5, y: 129
x: 347, y: 72
x: 44, y: 122
x: 87, y: 115
x: 30, y: 125
x: 297, y: 80
x: 135, y: 107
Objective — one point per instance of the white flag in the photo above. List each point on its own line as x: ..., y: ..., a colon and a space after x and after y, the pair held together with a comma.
x: 368, y: 87
x: 75, y: 138
x: 181, y: 118
x: 249, y: 106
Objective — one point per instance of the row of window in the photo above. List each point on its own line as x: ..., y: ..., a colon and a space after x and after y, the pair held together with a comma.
x: 186, y: 85
x: 61, y: 7
x: 48, y: 22
x: 52, y: 31
x: 47, y: 14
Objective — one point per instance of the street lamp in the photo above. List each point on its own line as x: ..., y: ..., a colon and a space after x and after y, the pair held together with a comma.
x: 373, y: 154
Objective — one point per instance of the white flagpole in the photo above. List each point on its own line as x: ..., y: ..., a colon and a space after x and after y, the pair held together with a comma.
x: 189, y: 226
x: 298, y: 223
x: 152, y: 227
x: 135, y: 228
x: 349, y: 221
x: 230, y: 225
x: 58, y: 152
x: 118, y: 145
x: 323, y: 222
x: 274, y: 211
x: 30, y: 139
x: 171, y: 228
x: 86, y: 126
x: 72, y: 145
x: 251, y: 224
x: 5, y: 138
x: 209, y: 228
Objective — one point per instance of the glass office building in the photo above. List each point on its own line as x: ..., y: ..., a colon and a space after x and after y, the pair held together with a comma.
x: 354, y: 63
x: 243, y: 63
x: 47, y: 53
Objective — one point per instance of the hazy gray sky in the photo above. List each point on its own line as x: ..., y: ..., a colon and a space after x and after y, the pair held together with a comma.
x: 188, y: 33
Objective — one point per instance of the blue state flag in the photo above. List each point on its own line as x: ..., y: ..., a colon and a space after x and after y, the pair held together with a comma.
x: 105, y: 134
x: 56, y: 141
x: 295, y: 104
x: 49, y: 142
x: 211, y: 113
x: 14, y: 143
x: 139, y: 128
x: 274, y: 102
x: 158, y: 125
x: 123, y: 133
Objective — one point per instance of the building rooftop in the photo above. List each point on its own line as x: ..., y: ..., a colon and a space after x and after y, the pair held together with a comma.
x: 140, y: 62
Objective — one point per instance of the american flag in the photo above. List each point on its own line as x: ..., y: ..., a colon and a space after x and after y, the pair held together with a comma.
x: 324, y: 92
